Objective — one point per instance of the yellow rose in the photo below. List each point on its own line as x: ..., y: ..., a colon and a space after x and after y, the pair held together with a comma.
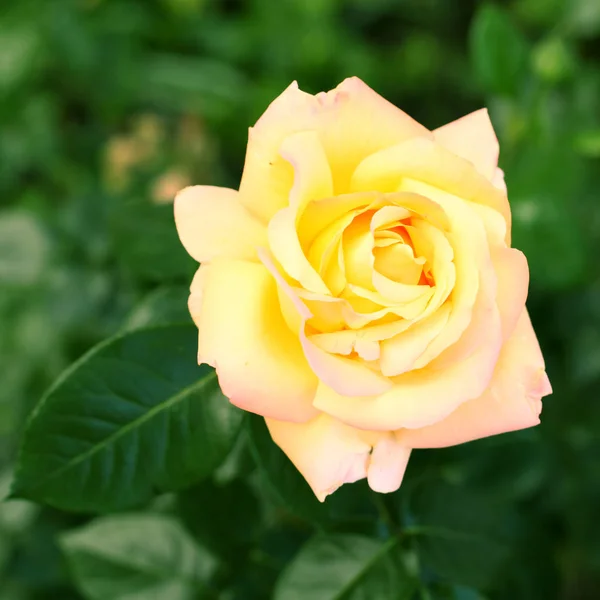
x: 359, y: 291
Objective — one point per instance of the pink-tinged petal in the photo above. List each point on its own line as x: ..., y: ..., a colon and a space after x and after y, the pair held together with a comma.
x: 418, y: 398
x: 512, y: 273
x: 259, y: 361
x: 352, y: 121
x: 424, y: 160
x: 326, y: 452
x: 512, y: 402
x: 211, y: 222
x: 498, y: 180
x: 197, y: 293
x: 473, y: 138
x: 346, y: 375
x: 389, y: 459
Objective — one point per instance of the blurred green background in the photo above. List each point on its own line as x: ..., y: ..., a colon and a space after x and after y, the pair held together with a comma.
x: 108, y: 107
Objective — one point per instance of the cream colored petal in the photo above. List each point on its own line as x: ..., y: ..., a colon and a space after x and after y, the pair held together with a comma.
x: 387, y: 465
x: 473, y: 138
x: 284, y: 243
x: 418, y: 398
x: 512, y: 401
x: 197, y: 293
x: 346, y: 375
x: 326, y: 452
x: 399, y: 354
x: 498, y: 180
x: 346, y: 340
x: 312, y: 175
x: 312, y: 181
x: 423, y: 160
x: 259, y: 362
x: 512, y: 273
x: 211, y: 222
x: 352, y: 121
x: 268, y: 178
x: 356, y: 122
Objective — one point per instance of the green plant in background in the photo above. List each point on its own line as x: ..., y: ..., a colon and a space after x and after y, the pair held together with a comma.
x: 106, y: 107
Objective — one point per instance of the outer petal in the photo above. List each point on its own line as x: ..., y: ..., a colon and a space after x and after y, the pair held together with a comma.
x: 418, y: 398
x: 326, y: 452
x: 498, y: 180
x: 329, y: 453
x: 513, y: 400
x: 352, y: 121
x: 387, y: 465
x: 473, y: 138
x: 512, y: 273
x: 211, y: 222
x: 268, y: 177
x: 355, y: 122
x: 196, y: 293
x: 260, y: 363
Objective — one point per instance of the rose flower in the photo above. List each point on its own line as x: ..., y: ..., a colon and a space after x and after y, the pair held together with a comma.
x: 359, y: 291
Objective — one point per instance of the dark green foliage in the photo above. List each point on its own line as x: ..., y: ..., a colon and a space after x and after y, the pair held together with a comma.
x: 107, y: 107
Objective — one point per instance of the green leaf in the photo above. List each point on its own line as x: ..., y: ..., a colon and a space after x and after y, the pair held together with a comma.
x: 278, y: 475
x: 346, y: 567
x: 163, y: 306
x: 136, y: 557
x: 225, y: 518
x: 499, y: 52
x: 465, y: 537
x: 134, y: 415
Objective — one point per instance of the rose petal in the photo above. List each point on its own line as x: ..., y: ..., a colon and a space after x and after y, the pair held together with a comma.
x: 424, y: 160
x: 312, y: 175
x: 197, y: 293
x: 398, y: 354
x: 211, y: 222
x: 352, y: 121
x: 498, y: 180
x: 259, y: 361
x: 326, y: 452
x: 473, y: 138
x: 284, y: 243
x: 386, y: 468
x: 511, y: 402
x: 418, y: 398
x: 348, y: 376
